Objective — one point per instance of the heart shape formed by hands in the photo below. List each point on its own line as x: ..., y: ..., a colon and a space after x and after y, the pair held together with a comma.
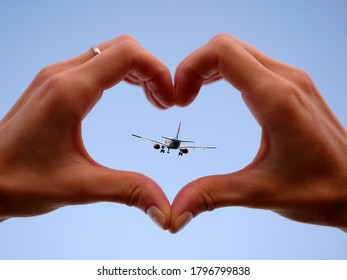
x: 300, y: 163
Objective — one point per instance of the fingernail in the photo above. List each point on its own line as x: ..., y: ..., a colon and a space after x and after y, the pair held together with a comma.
x: 157, y: 216
x: 182, y: 221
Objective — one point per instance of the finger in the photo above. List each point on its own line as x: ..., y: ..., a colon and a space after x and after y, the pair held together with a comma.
x: 224, y: 55
x: 221, y: 56
x: 89, y: 54
x: 127, y: 58
x: 99, y: 184
x: 150, y: 96
x: 297, y: 78
x: 284, y: 70
x: 51, y: 70
x: 156, y: 82
x: 208, y: 193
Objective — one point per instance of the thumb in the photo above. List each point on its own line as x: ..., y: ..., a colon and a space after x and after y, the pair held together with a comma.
x: 125, y: 187
x: 208, y: 193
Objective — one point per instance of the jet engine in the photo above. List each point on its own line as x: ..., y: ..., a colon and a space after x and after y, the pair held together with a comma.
x: 156, y: 146
x: 183, y: 151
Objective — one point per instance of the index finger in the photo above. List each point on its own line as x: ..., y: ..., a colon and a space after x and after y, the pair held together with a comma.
x: 124, y: 59
x: 224, y: 55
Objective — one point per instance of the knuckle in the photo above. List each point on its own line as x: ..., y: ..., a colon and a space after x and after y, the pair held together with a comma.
x: 57, y: 83
x: 221, y: 39
x: 289, y: 100
x: 303, y: 80
x: 205, y: 198
x: 127, y: 43
x: 46, y: 73
x: 126, y: 37
x: 223, y: 43
x: 303, y: 76
x: 134, y: 194
x: 296, y: 94
x: 72, y: 92
x: 56, y: 91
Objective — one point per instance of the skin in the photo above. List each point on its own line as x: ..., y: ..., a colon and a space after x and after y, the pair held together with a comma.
x: 300, y: 169
x: 44, y: 164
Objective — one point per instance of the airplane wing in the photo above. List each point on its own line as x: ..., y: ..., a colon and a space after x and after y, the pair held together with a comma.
x: 197, y: 147
x: 150, y: 140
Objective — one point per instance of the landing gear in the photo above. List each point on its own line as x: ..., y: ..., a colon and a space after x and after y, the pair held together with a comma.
x: 180, y: 153
x: 162, y: 150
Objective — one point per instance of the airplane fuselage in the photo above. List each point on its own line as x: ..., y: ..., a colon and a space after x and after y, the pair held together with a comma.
x: 173, y: 143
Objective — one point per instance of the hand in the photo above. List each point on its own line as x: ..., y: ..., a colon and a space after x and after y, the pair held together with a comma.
x: 43, y: 162
x: 300, y: 169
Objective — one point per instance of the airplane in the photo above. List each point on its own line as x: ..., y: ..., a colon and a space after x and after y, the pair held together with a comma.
x: 173, y: 143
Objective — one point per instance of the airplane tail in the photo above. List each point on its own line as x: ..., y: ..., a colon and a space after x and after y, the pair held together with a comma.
x: 178, y: 131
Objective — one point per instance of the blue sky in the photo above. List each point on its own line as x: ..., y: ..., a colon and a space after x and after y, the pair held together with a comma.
x: 311, y: 35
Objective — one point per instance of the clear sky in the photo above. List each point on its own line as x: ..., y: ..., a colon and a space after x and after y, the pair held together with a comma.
x: 311, y: 35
